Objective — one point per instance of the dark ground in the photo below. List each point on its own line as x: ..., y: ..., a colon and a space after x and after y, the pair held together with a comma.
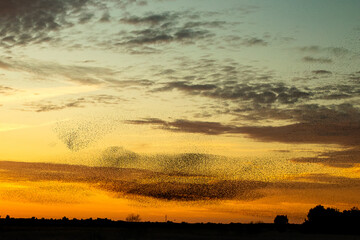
x: 103, y: 229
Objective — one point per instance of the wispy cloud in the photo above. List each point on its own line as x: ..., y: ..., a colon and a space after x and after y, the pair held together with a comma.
x: 317, y: 59
x: 321, y: 72
x: 254, y: 42
x: 7, y: 90
x: 46, y: 106
x: 317, y: 125
x: 336, y: 51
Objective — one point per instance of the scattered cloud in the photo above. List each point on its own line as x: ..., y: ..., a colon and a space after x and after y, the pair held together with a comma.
x: 336, y: 51
x: 254, y: 42
x: 354, y: 77
x: 310, y: 59
x: 151, y: 19
x: 156, y: 36
x: 4, y: 90
x: 321, y: 72
x: 32, y: 22
x: 5, y: 65
x: 258, y: 93
x: 152, y: 31
x: 212, y: 24
x: 47, y: 106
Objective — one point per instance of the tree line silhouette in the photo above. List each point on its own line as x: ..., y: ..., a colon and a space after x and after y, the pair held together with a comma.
x: 332, y: 220
x: 319, y: 220
x: 326, y: 220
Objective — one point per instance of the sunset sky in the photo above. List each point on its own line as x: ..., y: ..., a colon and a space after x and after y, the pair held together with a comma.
x: 202, y: 110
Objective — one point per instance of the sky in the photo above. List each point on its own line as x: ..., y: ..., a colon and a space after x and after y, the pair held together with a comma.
x: 202, y: 110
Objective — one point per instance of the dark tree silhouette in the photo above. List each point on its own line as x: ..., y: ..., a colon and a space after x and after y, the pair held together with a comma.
x: 281, y: 220
x: 331, y: 220
x: 320, y: 215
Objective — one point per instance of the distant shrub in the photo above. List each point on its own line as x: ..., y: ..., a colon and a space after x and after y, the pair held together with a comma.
x: 133, y: 218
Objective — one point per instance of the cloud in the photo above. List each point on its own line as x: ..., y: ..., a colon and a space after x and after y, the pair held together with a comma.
x: 341, y: 114
x: 260, y: 93
x: 330, y: 179
x: 209, y: 128
x: 126, y: 3
x: 321, y: 72
x: 86, y: 75
x: 4, y: 65
x: 254, y: 94
x: 212, y: 24
x: 4, y: 90
x: 151, y: 19
x: 186, y: 87
x: 130, y: 83
x: 147, y: 36
x: 341, y: 159
x: 317, y: 59
x: 150, y: 32
x: 336, y: 51
x: 337, y: 91
x: 47, y: 106
x: 25, y: 22
x: 354, y: 77
x: 307, y: 133
x: 83, y: 75
x: 254, y: 42
x: 315, y: 124
x: 157, y: 36
x: 232, y: 82
x: 105, y: 18
x: 31, y: 22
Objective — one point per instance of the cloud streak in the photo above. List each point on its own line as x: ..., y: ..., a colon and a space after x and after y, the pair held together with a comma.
x: 81, y: 102
x: 341, y: 159
x: 306, y: 132
x: 310, y: 59
x: 4, y: 90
